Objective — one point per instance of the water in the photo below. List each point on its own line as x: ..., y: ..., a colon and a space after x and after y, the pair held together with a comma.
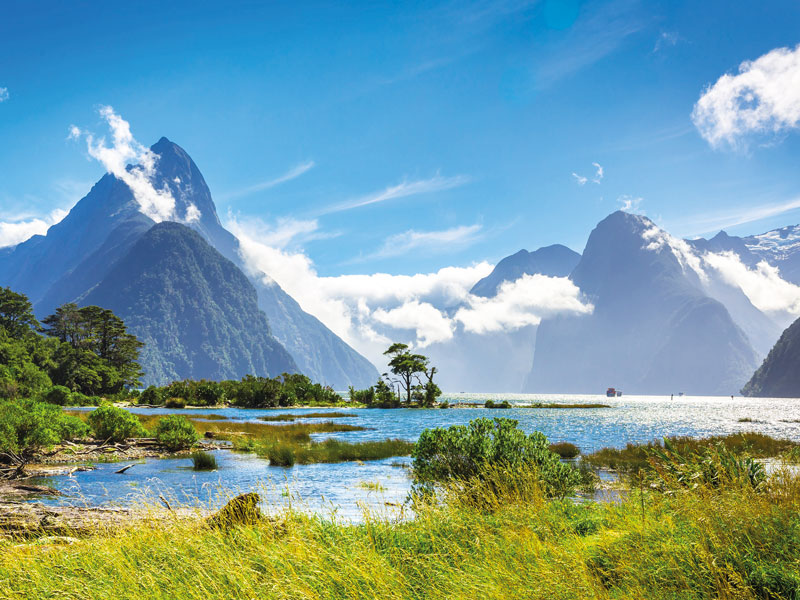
x: 341, y: 488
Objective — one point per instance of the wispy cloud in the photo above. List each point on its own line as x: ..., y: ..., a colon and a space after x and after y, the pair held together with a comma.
x: 3, y: 94
x: 131, y: 162
x: 630, y: 203
x: 285, y: 232
x: 402, y: 190
x: 598, y: 175
x: 763, y: 99
x: 666, y: 39
x: 430, y: 241
x: 292, y: 173
x: 593, y: 37
x: 714, y: 221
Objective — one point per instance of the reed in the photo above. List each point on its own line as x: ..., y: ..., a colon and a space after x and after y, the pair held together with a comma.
x: 203, y: 461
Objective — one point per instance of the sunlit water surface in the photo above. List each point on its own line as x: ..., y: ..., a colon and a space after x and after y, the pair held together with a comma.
x: 342, y: 488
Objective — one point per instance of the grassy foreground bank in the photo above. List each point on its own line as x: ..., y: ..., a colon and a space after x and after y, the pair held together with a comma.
x: 706, y: 542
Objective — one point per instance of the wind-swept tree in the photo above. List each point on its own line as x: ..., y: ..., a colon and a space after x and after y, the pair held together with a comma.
x: 407, y: 367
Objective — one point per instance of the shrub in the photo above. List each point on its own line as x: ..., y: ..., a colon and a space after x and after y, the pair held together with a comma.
x: 58, y: 394
x: 114, y: 424
x: 203, y: 461
x: 175, y: 403
x: 493, y: 404
x: 464, y: 452
x: 28, y: 426
x: 152, y: 395
x: 565, y: 449
x: 176, y: 432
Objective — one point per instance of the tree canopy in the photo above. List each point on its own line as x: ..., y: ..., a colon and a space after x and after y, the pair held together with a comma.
x: 86, y: 350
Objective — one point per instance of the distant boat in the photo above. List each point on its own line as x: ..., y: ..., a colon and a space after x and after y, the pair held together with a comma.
x: 619, y: 393
x: 612, y: 393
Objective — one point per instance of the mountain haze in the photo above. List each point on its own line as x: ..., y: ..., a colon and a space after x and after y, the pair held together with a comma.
x: 653, y: 330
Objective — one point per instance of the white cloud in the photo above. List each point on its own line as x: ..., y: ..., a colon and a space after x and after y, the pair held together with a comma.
x: 762, y: 99
x: 16, y: 231
x: 599, y: 173
x: 659, y: 240
x: 430, y: 241
x: 3, y: 94
x: 158, y: 204
x: 763, y: 284
x: 629, y: 203
x: 368, y: 311
x: 292, y: 173
x: 403, y: 190
x: 429, y: 324
x: 521, y: 303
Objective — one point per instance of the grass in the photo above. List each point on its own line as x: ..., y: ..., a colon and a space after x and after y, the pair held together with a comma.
x: 283, y: 454
x: 371, y: 486
x: 317, y: 415
x: 203, y: 461
x: 700, y: 544
x: 289, y: 444
x: 634, y: 457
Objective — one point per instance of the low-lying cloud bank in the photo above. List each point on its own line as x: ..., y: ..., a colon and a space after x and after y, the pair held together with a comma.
x: 370, y: 311
x: 16, y: 231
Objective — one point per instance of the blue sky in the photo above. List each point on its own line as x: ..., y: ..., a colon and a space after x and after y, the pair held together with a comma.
x: 407, y: 137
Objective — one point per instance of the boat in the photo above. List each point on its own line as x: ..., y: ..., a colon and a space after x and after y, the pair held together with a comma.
x: 611, y: 393
x: 619, y: 393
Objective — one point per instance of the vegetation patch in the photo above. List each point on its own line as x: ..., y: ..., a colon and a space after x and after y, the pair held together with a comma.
x: 565, y: 449
x: 635, y: 457
x: 203, y: 461
x: 316, y: 415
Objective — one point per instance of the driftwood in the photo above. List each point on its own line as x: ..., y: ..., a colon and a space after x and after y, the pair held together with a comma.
x: 125, y: 468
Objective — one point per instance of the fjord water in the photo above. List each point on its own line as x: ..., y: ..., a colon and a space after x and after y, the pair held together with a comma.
x: 341, y: 487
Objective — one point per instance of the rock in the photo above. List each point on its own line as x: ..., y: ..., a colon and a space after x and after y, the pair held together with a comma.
x: 242, y: 510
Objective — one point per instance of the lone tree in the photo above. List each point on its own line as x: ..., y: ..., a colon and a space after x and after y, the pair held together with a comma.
x: 408, y: 368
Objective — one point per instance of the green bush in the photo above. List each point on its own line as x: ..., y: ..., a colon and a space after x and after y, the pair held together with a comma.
x: 152, y: 395
x: 114, y: 424
x: 176, y: 432
x: 464, y: 452
x: 28, y: 426
x: 58, y: 394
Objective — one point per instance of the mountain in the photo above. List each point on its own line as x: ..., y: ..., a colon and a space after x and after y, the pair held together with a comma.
x: 553, y: 261
x: 653, y: 330
x: 779, y: 374
x: 780, y: 248
x: 194, y: 309
x: 78, y: 253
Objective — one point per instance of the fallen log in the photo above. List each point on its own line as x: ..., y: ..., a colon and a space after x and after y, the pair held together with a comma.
x: 125, y: 468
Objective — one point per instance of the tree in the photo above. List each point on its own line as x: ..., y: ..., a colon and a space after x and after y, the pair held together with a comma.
x: 97, y: 331
x: 16, y: 313
x: 406, y: 366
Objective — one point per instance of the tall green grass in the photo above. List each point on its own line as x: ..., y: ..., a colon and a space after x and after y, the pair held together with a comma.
x: 493, y: 541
